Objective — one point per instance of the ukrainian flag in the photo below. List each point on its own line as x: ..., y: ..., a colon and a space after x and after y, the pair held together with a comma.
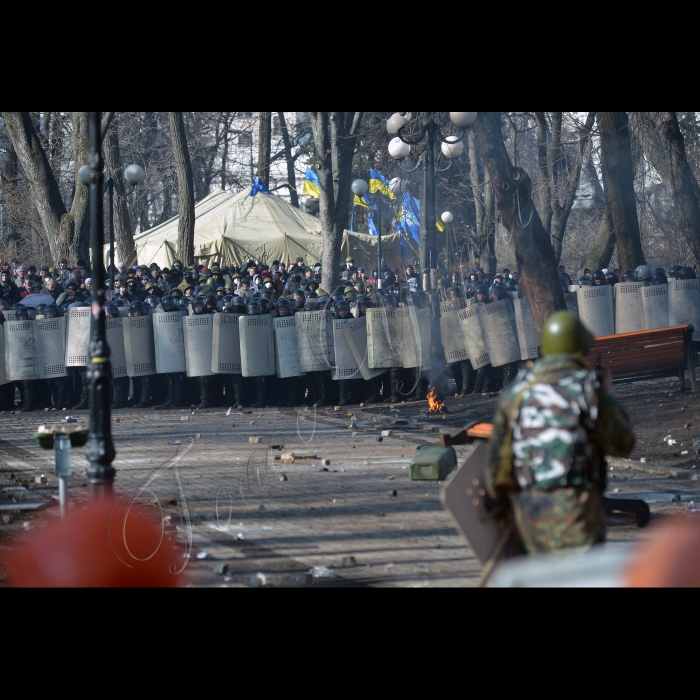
x: 311, y: 184
x: 378, y: 183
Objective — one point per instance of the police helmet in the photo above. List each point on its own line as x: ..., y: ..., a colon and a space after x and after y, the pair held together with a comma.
x: 659, y: 277
x: 239, y: 305
x: 183, y: 307
x: 598, y: 278
x: 211, y: 301
x: 643, y: 273
x: 454, y: 293
x: 230, y: 310
x: 64, y: 309
x: 311, y: 305
x: 198, y: 305
x: 363, y: 303
x: 612, y: 278
x: 51, y: 311
x: 629, y: 276
x: 226, y: 301
x: 498, y: 292
x: 312, y: 295
x: 265, y: 305
x: 389, y: 302
x: 481, y: 290
x: 254, y: 308
x: 687, y: 273
x: 152, y: 301
x: 40, y: 309
x: 22, y: 313
x: 282, y: 307
x: 137, y: 308
x: 335, y: 298
x: 4, y: 305
x: 168, y: 303
x: 293, y: 306
x: 673, y: 271
x: 342, y: 309
x: 112, y: 310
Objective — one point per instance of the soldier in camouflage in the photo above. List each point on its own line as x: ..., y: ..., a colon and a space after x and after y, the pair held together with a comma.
x: 553, y: 427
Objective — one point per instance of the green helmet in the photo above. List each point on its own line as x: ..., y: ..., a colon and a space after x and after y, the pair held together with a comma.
x: 564, y: 334
x: 211, y: 282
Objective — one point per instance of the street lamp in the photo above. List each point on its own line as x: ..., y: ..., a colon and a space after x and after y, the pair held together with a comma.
x: 361, y: 188
x: 451, y: 147
x: 133, y: 174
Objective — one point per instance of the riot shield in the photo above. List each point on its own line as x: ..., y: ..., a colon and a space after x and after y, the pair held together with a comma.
x: 571, y: 302
x: 123, y: 311
x: 382, y: 339
x: 257, y: 346
x: 315, y: 340
x: 169, y: 342
x: 78, y: 337
x: 655, y: 306
x: 527, y: 333
x: 286, y: 347
x: 115, y: 341
x: 21, y: 361
x: 500, y: 332
x: 471, y: 328
x: 414, y: 346
x: 138, y: 346
x: 226, y: 345
x: 595, y: 310
x: 11, y: 315
x: 355, y: 332
x: 3, y: 372
x: 453, y: 341
x: 346, y: 366
x: 628, y: 317
x: 50, y: 336
x: 199, y: 337
x: 684, y: 304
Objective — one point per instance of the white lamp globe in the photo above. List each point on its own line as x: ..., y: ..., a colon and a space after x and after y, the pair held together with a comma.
x: 397, y: 185
x: 447, y: 217
x: 453, y: 148
x: 395, y: 122
x: 84, y: 175
x: 398, y: 149
x: 360, y: 187
x: 463, y: 119
x: 134, y: 174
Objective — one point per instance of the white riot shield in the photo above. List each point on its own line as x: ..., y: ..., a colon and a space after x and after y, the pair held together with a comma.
x: 315, y: 340
x: 138, y: 346
x: 11, y: 315
x: 78, y: 337
x: 3, y: 372
x: 595, y: 310
x: 527, y: 333
x: 257, y: 346
x: 382, y: 339
x: 115, y: 341
x: 453, y: 340
x: 571, y: 302
x: 355, y: 332
x: 50, y: 335
x: 684, y: 304
x: 21, y: 361
x: 286, y: 347
x: 471, y: 328
x: 655, y: 306
x: 226, y: 345
x: 628, y: 318
x: 414, y: 326
x: 346, y: 366
x: 169, y: 342
x: 199, y: 337
x: 500, y: 332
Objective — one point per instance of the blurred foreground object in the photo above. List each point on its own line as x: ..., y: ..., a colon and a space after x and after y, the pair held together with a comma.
x: 105, y: 546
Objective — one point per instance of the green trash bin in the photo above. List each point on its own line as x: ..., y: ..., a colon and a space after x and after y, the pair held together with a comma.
x: 432, y: 463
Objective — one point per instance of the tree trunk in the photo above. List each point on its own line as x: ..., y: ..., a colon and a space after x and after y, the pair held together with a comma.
x: 533, y: 250
x: 604, y: 244
x: 125, y: 248
x: 289, y: 158
x: 185, y: 189
x: 76, y: 225
x: 618, y: 177
x: 488, y: 261
x: 265, y: 147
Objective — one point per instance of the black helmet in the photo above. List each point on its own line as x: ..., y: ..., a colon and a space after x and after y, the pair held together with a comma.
x: 267, y: 294
x: 4, y: 305
x: 226, y: 301
x: 481, y: 289
x: 363, y: 303
x: 283, y: 307
x: 183, y: 307
x: 659, y: 277
x: 121, y: 303
x: 239, y: 305
x: 254, y: 309
x: 498, y: 292
x: 112, y: 310
x: 152, y: 301
x: 389, y: 302
x: 168, y: 303
x: 312, y: 295
x: 293, y: 306
x: 335, y: 298
x: 629, y: 276
x: 311, y: 305
x: 198, y: 305
x: 40, y: 309
x: 265, y: 305
x: 137, y: 308
x: 230, y: 310
x: 643, y: 273
x: 598, y: 278
x: 342, y: 309
x: 64, y: 309
x: 673, y: 271
x: 612, y: 278
x: 455, y: 293
x: 687, y: 273
x: 22, y: 313
x: 51, y: 311
x: 210, y: 301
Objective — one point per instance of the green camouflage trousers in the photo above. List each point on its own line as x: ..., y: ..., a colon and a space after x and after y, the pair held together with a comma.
x: 567, y: 517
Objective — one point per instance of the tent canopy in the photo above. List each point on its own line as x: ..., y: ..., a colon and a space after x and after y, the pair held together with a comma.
x: 235, y: 228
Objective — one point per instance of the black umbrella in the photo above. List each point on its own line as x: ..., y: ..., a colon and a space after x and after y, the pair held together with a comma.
x: 31, y: 301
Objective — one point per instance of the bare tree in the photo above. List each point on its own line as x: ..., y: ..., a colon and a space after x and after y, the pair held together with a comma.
x: 185, y: 190
x: 264, y: 147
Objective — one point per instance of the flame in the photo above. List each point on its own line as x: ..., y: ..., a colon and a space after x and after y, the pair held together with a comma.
x: 434, y: 404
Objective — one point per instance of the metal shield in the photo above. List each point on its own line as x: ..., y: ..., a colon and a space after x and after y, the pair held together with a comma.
x: 500, y: 332
x: 257, y: 346
x: 471, y: 328
x: 21, y: 361
x: 11, y: 315
x: 115, y: 341
x: 3, y: 372
x: 226, y: 345
x: 346, y: 366
x: 527, y: 333
x: 414, y: 326
x: 78, y: 337
x: 355, y: 332
x: 315, y: 340
x: 50, y: 334
x: 169, y: 342
x: 571, y: 302
x: 382, y: 339
x: 286, y: 347
x: 655, y: 306
x: 684, y: 304
x: 595, y: 310
x: 138, y: 346
x: 199, y: 338
x: 628, y: 317
x: 453, y: 340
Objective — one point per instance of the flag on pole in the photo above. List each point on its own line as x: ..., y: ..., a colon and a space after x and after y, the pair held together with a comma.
x: 311, y: 185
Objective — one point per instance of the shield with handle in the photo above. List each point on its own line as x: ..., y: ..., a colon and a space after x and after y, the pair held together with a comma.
x: 471, y: 327
x: 527, y: 333
x: 78, y: 337
x: 628, y: 316
x: 169, y: 342
x: 138, y: 346
x: 355, y: 332
x: 655, y: 306
x: 199, y: 338
x: 286, y: 347
x: 257, y: 346
x: 453, y: 340
x: 21, y: 359
x: 595, y: 309
x: 226, y: 345
x: 50, y: 336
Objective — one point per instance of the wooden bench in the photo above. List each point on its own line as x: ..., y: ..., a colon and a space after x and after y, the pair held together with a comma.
x: 661, y: 352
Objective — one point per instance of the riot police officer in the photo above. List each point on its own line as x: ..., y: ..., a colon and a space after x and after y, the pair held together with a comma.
x: 598, y: 278
x: 142, y: 385
x: 462, y: 371
x: 509, y: 370
x: 175, y: 382
x: 644, y: 274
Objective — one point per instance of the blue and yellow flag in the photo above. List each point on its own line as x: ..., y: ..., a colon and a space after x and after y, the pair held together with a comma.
x: 408, y: 217
x: 378, y: 183
x: 311, y: 186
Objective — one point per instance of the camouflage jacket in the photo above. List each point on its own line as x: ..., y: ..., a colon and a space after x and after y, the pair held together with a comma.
x: 553, y: 427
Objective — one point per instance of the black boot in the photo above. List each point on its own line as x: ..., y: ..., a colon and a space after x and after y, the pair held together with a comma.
x: 84, y: 393
x: 145, y: 401
x: 180, y: 395
x: 344, y: 393
x: 395, y: 375
x: 480, y: 381
x: 468, y: 377
x: 321, y: 383
x: 293, y: 384
x: 260, y: 386
x: 28, y: 396
x: 374, y: 385
x: 204, y: 392
x: 168, y: 403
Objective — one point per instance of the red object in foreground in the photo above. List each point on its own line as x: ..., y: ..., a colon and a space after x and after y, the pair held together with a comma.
x: 101, y: 547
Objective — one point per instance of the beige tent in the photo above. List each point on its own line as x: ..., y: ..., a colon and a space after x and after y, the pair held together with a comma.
x: 234, y: 228
x: 362, y: 248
